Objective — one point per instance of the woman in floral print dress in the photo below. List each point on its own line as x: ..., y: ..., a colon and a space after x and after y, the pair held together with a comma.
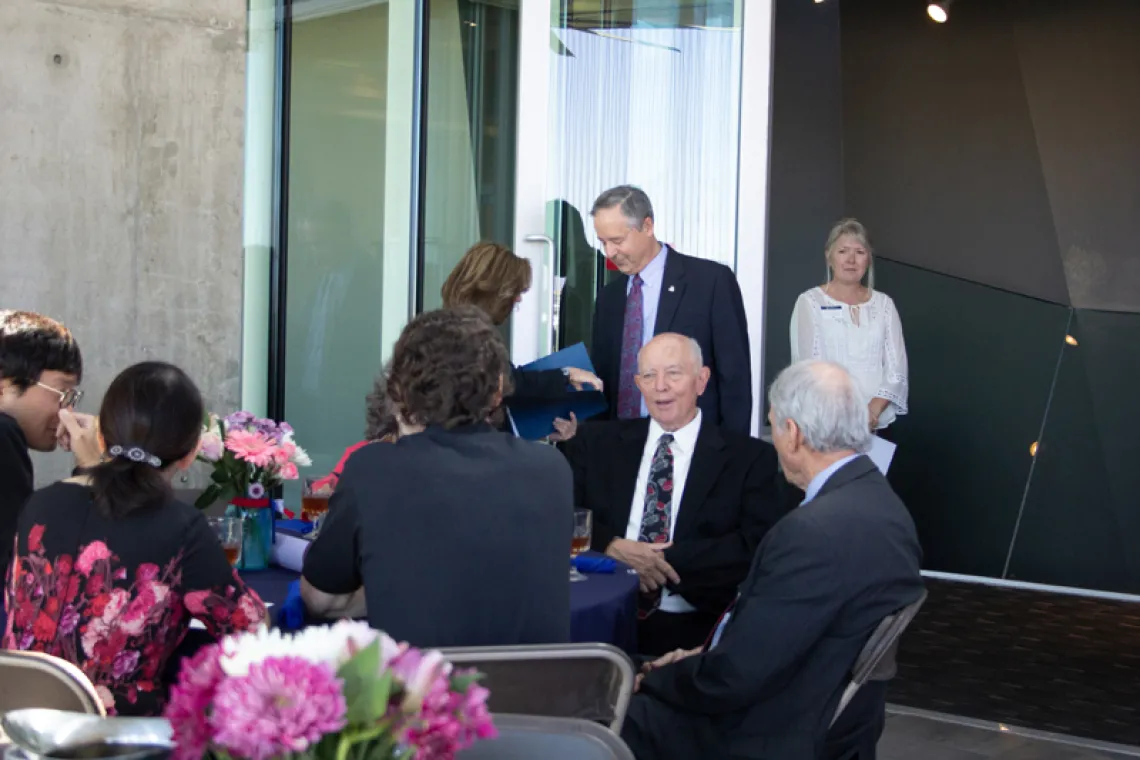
x: 109, y: 568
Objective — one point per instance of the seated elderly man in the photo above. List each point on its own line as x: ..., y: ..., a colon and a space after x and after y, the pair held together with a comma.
x: 769, y: 680
x: 679, y: 500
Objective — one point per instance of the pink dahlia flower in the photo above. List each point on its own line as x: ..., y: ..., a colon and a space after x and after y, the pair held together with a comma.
x: 285, y: 705
x: 190, y: 698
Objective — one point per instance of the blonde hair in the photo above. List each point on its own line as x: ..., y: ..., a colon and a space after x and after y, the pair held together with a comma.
x: 489, y: 276
x: 851, y: 228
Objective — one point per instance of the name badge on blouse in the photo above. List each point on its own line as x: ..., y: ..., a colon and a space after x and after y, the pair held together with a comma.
x: 830, y: 308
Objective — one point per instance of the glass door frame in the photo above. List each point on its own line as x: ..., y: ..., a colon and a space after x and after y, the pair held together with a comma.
x: 532, y: 334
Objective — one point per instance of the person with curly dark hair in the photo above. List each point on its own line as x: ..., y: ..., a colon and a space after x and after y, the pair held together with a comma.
x: 457, y: 534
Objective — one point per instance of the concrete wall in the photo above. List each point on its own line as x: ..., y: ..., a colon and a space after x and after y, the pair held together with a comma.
x: 121, y: 182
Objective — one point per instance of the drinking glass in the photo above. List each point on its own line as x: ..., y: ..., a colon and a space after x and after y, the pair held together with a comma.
x: 315, y: 503
x: 229, y: 533
x: 580, y: 541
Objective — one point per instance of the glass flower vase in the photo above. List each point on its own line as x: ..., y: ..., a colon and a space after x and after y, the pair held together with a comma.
x: 257, y: 532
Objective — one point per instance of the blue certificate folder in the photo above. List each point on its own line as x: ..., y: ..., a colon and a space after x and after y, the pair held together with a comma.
x: 535, y: 421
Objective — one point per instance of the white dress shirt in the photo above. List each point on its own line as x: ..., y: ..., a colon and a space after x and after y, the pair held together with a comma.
x: 684, y: 443
x: 652, y: 278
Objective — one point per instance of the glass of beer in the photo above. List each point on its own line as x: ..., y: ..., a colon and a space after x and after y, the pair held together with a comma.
x: 229, y: 533
x: 580, y: 541
x: 315, y: 502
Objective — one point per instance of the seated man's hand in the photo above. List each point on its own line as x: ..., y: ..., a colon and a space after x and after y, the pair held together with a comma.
x: 648, y: 560
x: 675, y: 656
x: 565, y: 428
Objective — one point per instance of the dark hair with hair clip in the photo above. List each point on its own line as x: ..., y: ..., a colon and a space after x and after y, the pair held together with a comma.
x: 154, y: 411
x: 32, y: 344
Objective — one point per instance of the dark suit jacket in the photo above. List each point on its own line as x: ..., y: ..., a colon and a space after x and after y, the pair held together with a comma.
x: 704, y: 304
x: 731, y: 499
x: 821, y: 582
x: 459, y: 537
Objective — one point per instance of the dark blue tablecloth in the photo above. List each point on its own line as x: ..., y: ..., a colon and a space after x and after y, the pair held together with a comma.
x: 602, y: 608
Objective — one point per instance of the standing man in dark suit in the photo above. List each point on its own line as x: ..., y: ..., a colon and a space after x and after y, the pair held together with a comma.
x: 769, y: 680
x: 681, y: 501
x: 663, y: 290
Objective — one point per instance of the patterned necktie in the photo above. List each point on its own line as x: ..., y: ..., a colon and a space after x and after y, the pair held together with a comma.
x: 657, y: 515
x: 629, y: 397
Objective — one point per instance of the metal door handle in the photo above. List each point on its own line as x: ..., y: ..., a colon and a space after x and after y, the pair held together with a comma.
x: 547, y: 277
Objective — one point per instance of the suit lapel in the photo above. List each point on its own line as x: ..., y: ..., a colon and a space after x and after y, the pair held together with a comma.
x: 709, y: 459
x: 627, y: 464
x: 672, y: 288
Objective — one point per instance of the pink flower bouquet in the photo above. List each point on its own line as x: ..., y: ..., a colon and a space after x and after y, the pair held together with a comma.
x: 328, y: 693
x: 249, y: 455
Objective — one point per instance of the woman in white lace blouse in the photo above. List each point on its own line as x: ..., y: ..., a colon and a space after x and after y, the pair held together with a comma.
x: 847, y: 321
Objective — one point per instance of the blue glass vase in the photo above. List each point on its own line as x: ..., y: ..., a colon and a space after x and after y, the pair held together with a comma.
x: 257, y: 534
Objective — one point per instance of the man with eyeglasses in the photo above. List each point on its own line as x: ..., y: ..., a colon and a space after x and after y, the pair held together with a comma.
x: 40, y: 369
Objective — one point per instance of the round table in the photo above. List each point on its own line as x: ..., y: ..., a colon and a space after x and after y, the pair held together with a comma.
x: 602, y: 608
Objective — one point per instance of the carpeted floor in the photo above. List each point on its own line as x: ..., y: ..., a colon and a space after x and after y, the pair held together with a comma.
x: 1046, y: 661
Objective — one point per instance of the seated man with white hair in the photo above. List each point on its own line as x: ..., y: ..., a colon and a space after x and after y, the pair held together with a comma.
x: 768, y: 683
x: 681, y: 501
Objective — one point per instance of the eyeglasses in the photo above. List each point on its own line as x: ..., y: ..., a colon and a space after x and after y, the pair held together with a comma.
x: 68, y: 399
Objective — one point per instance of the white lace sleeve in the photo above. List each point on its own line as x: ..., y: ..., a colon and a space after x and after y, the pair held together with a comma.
x: 805, y: 339
x: 895, y: 382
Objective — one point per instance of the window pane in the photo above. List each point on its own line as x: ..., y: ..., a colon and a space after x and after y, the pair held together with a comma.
x: 347, y: 270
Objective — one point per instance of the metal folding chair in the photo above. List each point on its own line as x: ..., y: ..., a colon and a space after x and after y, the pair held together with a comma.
x: 527, y: 737
x: 876, y: 661
x: 591, y: 682
x: 34, y: 679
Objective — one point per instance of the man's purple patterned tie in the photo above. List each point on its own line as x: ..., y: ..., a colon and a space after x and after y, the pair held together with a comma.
x: 657, y: 514
x: 629, y: 397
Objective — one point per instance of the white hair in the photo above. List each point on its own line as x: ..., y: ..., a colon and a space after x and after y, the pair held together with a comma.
x: 695, y: 352
x: 825, y: 403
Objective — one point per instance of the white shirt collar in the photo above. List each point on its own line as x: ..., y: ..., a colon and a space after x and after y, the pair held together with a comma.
x: 684, y: 439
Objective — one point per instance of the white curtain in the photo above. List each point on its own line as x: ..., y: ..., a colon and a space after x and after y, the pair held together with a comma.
x: 657, y: 108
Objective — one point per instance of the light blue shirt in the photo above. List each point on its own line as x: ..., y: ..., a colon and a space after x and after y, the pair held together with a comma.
x: 819, y: 480
x: 652, y: 278
x: 812, y: 491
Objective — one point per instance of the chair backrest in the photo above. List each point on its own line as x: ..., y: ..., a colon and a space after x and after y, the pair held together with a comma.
x: 876, y: 661
x: 526, y: 737
x: 34, y: 679
x: 588, y: 681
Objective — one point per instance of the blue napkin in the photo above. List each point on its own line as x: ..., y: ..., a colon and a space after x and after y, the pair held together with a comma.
x: 291, y: 616
x: 299, y: 527
x: 584, y: 563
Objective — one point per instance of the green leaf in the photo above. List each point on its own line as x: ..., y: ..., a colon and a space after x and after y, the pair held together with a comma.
x: 208, y: 497
x: 462, y: 682
x: 366, y: 689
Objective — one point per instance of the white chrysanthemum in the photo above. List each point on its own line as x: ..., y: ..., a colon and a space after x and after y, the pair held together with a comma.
x: 301, y: 458
x: 318, y: 644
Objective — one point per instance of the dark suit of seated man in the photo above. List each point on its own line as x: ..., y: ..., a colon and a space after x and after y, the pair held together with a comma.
x: 769, y: 681
x: 678, y: 499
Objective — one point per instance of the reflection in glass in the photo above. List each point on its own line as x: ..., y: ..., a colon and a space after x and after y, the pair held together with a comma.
x: 338, y: 292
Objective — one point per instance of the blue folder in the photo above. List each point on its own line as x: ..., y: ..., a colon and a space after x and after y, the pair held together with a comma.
x: 535, y: 421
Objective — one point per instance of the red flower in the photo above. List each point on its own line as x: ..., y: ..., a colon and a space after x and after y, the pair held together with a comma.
x: 97, y: 605
x: 52, y: 606
x: 72, y: 588
x: 94, y: 585
x: 240, y: 620
x: 146, y: 572
x: 44, y: 629
x: 36, y: 538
